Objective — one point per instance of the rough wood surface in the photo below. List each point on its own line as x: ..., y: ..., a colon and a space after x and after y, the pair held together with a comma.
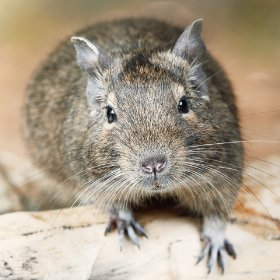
x: 70, y: 243
x: 73, y: 246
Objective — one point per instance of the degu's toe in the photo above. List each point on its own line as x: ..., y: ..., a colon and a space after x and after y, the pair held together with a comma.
x: 221, y: 260
x: 110, y: 227
x: 139, y: 229
x: 126, y: 226
x: 212, y: 259
x: 132, y: 236
x: 204, y: 251
x: 129, y: 229
x: 230, y: 249
x: 216, y: 253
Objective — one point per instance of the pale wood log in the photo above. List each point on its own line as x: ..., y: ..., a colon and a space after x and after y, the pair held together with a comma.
x: 70, y: 243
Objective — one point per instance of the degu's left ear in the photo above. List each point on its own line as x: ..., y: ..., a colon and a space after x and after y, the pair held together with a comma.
x: 89, y: 55
x: 91, y: 58
x: 190, y: 47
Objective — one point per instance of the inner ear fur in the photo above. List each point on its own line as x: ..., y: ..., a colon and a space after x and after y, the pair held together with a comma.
x: 191, y: 47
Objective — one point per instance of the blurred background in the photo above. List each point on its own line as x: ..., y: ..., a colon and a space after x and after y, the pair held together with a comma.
x: 243, y: 35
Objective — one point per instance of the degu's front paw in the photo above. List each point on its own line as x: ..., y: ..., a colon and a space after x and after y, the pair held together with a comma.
x: 126, y: 225
x: 215, y: 248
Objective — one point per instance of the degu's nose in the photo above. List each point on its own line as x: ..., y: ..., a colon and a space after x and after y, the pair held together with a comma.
x: 153, y: 165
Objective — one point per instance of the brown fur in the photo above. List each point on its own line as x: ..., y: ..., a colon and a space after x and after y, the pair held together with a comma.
x: 143, y: 86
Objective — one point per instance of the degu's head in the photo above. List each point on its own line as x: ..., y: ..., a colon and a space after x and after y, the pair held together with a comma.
x: 153, y: 108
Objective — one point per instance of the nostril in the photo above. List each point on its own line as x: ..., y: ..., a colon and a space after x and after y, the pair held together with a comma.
x: 147, y: 168
x: 160, y: 166
x: 152, y: 165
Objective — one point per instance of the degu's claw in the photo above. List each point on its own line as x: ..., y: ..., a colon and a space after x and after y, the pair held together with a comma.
x: 204, y: 251
x: 221, y: 260
x: 125, y: 223
x: 216, y: 254
x: 131, y: 234
x: 139, y: 229
x: 108, y: 229
x: 230, y: 249
x: 121, y: 238
x: 212, y: 258
x: 198, y: 260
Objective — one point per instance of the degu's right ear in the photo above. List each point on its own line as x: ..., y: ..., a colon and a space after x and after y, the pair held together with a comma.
x: 190, y: 47
x: 89, y: 55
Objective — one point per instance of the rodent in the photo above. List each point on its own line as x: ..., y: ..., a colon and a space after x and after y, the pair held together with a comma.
x: 136, y: 109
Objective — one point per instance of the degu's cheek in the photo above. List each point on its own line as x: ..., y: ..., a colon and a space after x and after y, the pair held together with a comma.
x: 191, y: 117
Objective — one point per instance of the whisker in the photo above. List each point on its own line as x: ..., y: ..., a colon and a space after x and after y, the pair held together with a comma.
x: 235, y: 142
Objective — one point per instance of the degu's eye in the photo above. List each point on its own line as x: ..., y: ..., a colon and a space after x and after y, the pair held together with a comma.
x: 111, y: 115
x: 183, y: 105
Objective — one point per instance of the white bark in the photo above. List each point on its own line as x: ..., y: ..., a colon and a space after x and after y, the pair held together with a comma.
x: 70, y: 244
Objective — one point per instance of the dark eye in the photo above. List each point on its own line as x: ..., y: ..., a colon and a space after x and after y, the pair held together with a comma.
x: 111, y: 115
x: 183, y: 105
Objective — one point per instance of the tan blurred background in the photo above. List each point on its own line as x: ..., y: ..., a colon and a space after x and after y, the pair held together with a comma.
x: 243, y: 35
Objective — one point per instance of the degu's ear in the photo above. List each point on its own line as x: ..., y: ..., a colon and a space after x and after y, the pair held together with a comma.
x: 89, y: 55
x: 190, y: 47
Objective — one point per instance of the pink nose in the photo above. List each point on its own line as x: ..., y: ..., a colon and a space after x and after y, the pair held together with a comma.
x: 153, y: 165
